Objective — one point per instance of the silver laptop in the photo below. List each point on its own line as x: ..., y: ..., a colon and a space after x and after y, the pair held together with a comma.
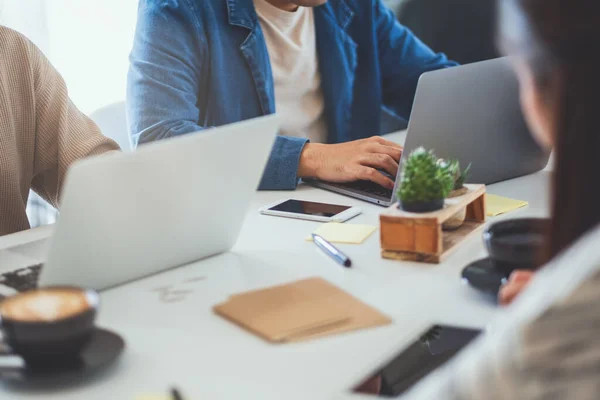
x: 126, y: 216
x: 470, y: 113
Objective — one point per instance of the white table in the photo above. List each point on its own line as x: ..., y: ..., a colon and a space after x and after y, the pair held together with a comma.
x: 183, y: 343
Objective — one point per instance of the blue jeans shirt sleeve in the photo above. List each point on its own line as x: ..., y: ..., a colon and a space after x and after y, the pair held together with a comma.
x: 166, y: 66
x: 281, y: 172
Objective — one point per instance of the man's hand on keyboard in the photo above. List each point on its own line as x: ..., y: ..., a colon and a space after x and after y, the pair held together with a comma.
x: 352, y: 161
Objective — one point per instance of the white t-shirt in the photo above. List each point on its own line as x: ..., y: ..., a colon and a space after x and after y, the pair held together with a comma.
x: 291, y: 42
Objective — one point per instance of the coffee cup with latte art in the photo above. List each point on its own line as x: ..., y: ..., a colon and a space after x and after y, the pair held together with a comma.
x: 50, y: 325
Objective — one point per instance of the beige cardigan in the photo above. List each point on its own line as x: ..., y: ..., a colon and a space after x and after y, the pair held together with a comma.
x: 41, y: 130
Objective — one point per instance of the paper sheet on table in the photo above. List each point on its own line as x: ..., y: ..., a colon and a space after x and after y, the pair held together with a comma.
x: 335, y: 232
x: 497, y: 205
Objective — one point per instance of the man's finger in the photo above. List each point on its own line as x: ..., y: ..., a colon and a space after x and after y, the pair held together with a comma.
x: 385, y: 142
x: 381, y: 162
x: 371, y: 174
x: 394, y: 152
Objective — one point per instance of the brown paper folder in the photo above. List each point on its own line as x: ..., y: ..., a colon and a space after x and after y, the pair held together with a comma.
x: 299, y: 311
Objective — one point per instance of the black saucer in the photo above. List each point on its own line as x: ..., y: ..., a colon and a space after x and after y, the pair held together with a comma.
x: 104, y: 348
x: 485, y: 275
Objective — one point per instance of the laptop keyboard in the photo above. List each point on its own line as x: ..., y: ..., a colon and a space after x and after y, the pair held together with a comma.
x: 370, y: 188
x: 22, y: 279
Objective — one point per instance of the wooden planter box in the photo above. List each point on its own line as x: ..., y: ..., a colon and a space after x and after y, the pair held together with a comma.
x: 419, y: 237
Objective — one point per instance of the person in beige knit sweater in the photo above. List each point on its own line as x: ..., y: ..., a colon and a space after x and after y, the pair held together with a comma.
x: 41, y: 131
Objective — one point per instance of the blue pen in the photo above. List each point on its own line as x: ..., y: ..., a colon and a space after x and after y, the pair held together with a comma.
x: 332, y: 251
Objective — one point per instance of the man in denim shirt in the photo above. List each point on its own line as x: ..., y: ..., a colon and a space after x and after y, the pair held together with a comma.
x: 326, y: 67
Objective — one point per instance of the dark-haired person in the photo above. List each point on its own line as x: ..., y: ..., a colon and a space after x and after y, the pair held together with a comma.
x: 41, y: 131
x: 547, y: 344
x: 326, y: 67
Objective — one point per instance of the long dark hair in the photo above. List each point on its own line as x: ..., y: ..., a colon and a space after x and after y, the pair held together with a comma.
x: 560, y: 42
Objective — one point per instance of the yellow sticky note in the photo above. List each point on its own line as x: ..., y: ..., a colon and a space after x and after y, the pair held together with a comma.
x: 497, y: 205
x: 344, y: 233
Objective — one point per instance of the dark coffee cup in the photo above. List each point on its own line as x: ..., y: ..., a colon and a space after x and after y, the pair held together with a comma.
x: 517, y: 243
x: 49, y: 326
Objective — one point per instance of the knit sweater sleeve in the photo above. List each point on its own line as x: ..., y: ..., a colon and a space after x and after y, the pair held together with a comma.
x: 63, y: 133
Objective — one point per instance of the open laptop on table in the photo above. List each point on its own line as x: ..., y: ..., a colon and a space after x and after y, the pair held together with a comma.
x: 126, y: 216
x: 471, y: 113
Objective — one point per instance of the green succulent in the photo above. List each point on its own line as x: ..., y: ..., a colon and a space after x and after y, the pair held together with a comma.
x: 460, y: 176
x: 425, y: 178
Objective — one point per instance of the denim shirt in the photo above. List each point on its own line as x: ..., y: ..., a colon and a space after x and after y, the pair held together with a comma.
x: 197, y: 64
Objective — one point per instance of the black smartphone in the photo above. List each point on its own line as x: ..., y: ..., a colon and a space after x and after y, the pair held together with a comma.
x: 432, y: 349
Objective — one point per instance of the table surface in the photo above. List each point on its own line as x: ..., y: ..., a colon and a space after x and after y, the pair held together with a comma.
x: 175, y: 339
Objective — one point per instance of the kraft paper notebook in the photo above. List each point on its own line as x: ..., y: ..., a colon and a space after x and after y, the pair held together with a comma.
x: 299, y: 311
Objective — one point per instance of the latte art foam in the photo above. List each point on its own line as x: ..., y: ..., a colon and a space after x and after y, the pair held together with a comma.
x: 45, y: 305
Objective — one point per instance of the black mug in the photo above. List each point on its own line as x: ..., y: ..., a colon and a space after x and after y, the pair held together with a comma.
x: 516, y: 243
x: 48, y: 326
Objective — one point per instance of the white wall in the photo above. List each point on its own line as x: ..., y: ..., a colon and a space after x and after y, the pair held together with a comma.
x: 88, y: 41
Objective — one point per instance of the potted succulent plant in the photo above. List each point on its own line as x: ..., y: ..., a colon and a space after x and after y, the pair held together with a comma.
x: 425, y: 182
x: 460, y: 176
